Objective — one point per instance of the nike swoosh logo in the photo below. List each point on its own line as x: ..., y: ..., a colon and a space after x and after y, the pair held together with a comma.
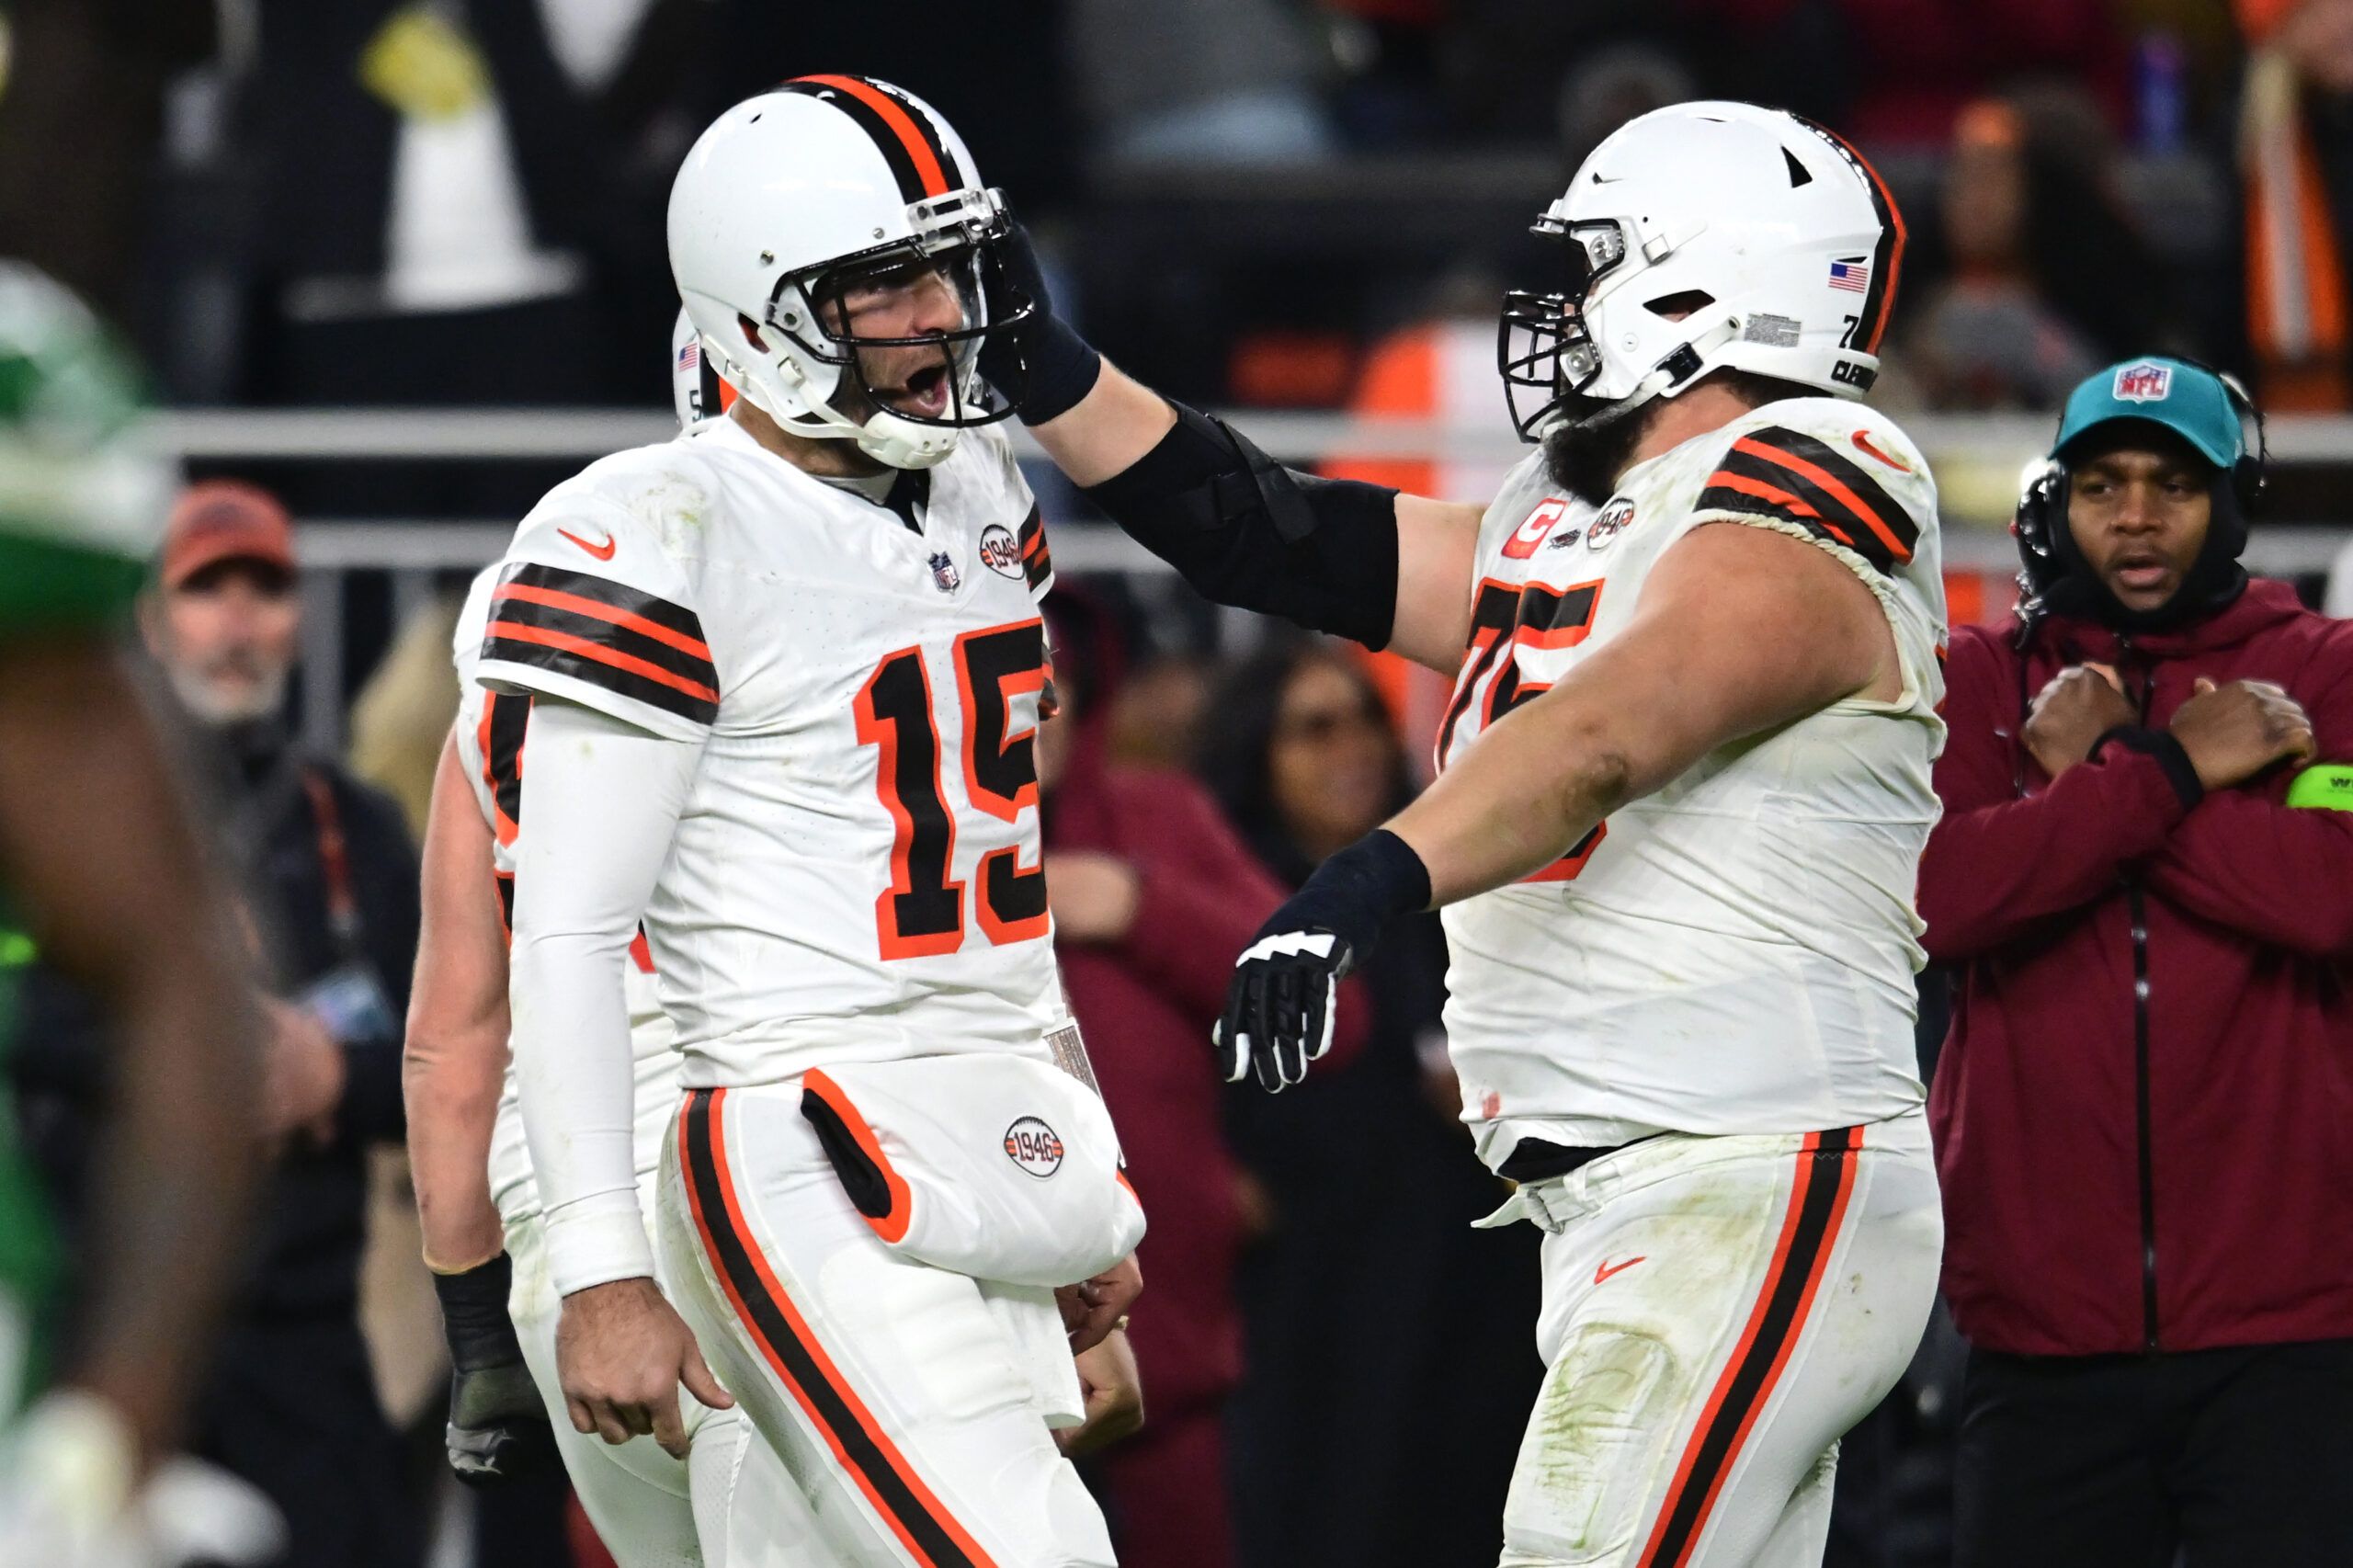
x: 601, y: 552
x: 1863, y: 443
x: 1608, y: 1269
x: 1600, y: 178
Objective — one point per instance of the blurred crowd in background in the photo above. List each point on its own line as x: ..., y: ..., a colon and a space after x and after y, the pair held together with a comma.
x: 294, y: 202
x: 1272, y: 203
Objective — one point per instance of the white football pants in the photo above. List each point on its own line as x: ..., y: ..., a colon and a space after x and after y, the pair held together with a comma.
x: 1717, y: 1312
x: 727, y: 1505
x: 899, y: 1405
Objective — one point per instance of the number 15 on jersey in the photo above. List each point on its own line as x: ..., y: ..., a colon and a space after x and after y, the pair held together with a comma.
x: 921, y: 913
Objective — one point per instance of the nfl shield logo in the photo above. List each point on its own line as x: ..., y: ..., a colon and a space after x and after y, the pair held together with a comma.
x: 944, y: 573
x: 2143, y: 383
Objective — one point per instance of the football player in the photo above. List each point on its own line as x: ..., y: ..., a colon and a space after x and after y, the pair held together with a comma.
x: 1685, y: 788
x: 783, y: 675
x: 98, y: 862
x: 727, y: 1500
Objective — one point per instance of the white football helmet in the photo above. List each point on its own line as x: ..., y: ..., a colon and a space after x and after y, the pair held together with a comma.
x: 696, y: 389
x: 788, y: 197
x: 1700, y: 237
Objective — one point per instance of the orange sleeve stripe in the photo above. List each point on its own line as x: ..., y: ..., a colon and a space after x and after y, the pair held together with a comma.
x: 556, y: 598
x: 602, y: 655
x: 1723, y: 480
x: 1829, y: 483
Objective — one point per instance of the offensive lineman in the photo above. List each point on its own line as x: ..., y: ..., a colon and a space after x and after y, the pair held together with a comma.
x: 785, y: 673
x: 1685, y: 790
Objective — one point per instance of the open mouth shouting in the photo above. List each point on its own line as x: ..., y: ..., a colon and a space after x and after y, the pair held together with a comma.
x: 925, y: 392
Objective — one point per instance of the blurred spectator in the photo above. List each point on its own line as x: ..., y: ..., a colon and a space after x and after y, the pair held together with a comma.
x: 1152, y: 898
x: 402, y: 715
x: 2047, y: 275
x: 1913, y: 66
x: 442, y: 215
x: 80, y: 110
x: 331, y: 881
x: 1388, y: 1358
x: 2146, y: 888
x: 2296, y: 154
x: 1229, y: 82
x: 399, y: 722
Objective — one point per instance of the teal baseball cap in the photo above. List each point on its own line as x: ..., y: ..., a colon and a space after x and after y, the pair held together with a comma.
x: 2188, y: 399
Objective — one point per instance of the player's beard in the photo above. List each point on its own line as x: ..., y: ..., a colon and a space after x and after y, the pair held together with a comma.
x: 1586, y: 453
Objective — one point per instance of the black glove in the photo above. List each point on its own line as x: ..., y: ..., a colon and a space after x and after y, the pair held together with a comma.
x: 1280, y: 1007
x: 498, y: 1425
x: 1041, y: 366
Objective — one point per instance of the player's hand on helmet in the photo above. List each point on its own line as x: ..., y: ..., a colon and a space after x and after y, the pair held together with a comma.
x: 621, y: 1352
x: 1281, y: 1005
x: 1041, y: 366
x: 498, y: 1426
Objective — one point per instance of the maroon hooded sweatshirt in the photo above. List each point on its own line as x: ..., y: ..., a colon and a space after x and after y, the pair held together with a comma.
x: 1146, y: 1005
x: 2145, y: 1111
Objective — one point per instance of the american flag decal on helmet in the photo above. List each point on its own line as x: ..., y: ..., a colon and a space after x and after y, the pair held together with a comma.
x: 1853, y: 274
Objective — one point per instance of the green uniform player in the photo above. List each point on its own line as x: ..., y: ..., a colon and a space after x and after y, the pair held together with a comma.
x: 81, y: 502
x: 98, y: 867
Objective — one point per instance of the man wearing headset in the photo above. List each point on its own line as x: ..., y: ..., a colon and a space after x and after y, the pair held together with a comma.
x: 2143, y: 886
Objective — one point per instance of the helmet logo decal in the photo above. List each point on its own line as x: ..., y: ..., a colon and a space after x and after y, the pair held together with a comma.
x: 1852, y: 274
x: 2143, y: 383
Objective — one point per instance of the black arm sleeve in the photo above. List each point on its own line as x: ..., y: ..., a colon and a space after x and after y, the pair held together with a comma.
x: 1245, y: 530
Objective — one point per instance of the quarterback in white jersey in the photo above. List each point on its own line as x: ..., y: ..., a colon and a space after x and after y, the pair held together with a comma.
x: 1685, y: 787
x: 785, y: 674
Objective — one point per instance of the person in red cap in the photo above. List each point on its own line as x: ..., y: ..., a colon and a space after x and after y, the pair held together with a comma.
x: 330, y: 877
x: 223, y: 620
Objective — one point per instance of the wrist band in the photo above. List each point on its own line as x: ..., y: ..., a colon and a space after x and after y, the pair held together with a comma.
x: 1060, y: 368
x: 2179, y: 771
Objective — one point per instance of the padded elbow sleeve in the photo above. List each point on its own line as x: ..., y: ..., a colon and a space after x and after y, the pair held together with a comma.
x: 1246, y: 532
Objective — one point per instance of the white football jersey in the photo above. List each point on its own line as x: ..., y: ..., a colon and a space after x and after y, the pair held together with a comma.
x: 857, y: 873
x: 1734, y: 954
x: 490, y: 746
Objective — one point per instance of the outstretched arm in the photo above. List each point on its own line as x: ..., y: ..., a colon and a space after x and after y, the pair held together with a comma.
x: 1626, y: 720
x: 1655, y: 700
x: 1362, y: 560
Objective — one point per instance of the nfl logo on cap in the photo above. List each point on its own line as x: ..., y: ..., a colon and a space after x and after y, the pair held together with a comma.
x: 2143, y: 383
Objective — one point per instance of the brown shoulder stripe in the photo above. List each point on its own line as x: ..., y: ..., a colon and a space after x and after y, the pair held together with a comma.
x: 1813, y: 483
x: 1037, y: 560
